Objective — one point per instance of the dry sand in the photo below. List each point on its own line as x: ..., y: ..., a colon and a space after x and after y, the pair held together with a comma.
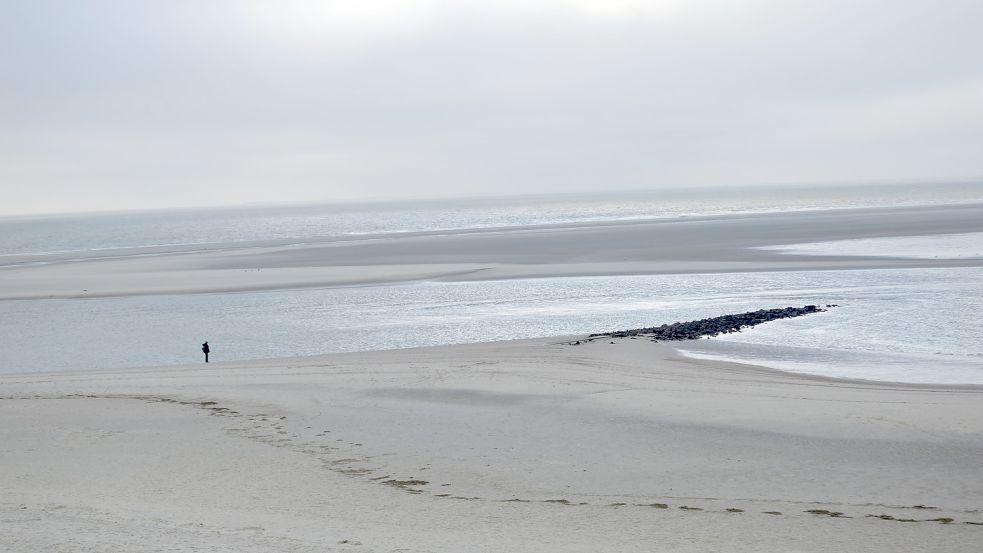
x: 514, y: 446
x: 684, y: 245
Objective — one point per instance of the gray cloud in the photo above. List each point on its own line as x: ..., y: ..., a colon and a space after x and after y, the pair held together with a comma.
x: 138, y: 104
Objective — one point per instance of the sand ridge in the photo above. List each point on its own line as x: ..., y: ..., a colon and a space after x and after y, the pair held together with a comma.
x: 684, y: 245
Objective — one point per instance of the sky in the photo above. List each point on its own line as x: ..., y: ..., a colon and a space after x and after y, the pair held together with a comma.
x: 141, y: 104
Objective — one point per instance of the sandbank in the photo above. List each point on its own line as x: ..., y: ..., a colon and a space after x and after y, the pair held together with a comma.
x: 683, y: 245
x: 533, y: 445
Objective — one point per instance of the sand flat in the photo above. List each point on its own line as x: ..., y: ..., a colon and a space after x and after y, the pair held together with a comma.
x: 683, y: 245
x: 531, y: 445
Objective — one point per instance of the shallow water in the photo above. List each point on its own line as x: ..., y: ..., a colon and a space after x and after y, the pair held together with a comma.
x: 966, y: 245
x: 915, y: 325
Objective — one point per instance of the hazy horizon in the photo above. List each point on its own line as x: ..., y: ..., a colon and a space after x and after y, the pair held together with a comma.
x: 927, y: 193
x: 110, y: 106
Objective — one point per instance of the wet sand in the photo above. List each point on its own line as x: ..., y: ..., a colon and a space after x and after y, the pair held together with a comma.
x: 684, y: 245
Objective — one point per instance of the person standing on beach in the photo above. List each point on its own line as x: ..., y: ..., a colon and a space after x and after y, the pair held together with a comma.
x: 205, y: 350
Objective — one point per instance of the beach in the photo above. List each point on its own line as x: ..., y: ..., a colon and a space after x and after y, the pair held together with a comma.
x: 535, y: 445
x: 541, y: 444
x: 584, y: 276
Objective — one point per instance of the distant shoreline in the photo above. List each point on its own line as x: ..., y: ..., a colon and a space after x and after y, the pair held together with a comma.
x: 15, y: 259
x: 717, y: 244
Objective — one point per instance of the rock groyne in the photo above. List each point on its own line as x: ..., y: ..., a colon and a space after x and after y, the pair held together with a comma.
x: 714, y: 326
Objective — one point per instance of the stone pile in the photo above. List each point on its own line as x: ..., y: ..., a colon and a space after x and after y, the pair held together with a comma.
x: 714, y: 326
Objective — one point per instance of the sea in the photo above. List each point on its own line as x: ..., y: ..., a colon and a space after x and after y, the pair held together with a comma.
x: 905, y: 325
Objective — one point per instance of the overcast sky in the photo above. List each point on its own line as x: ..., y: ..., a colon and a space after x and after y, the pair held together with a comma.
x: 129, y: 104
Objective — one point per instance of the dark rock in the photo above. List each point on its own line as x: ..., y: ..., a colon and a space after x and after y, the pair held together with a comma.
x: 714, y: 326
